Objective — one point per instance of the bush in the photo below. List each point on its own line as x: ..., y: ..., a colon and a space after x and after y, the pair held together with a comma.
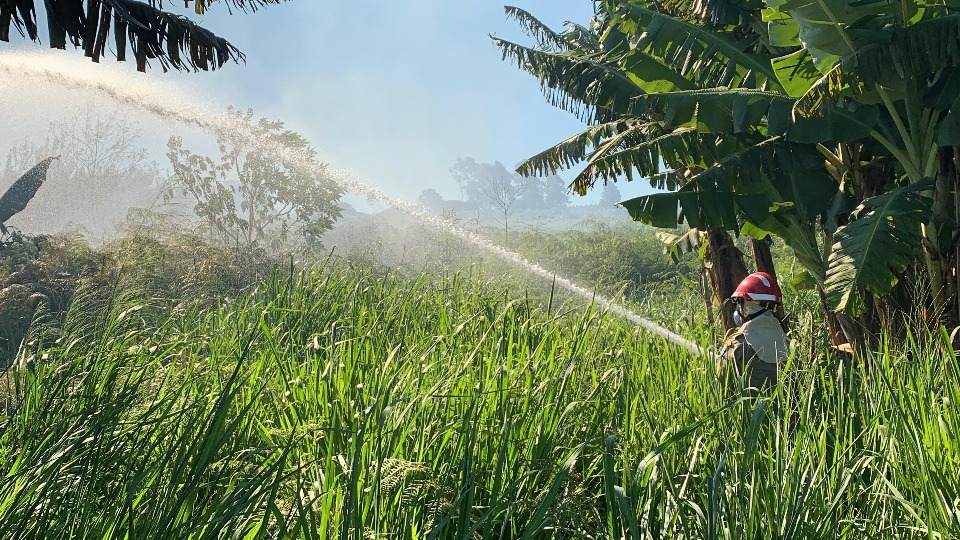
x: 42, y: 274
x: 39, y: 275
x: 619, y: 259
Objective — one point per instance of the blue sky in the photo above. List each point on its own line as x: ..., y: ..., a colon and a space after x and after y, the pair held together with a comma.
x: 398, y: 90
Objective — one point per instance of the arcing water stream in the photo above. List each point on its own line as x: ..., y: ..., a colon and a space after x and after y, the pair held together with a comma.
x: 128, y: 90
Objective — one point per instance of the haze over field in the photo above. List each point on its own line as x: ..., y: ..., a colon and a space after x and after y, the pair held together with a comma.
x: 394, y: 91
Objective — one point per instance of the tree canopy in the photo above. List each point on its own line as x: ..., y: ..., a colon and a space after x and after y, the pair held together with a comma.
x: 489, y: 184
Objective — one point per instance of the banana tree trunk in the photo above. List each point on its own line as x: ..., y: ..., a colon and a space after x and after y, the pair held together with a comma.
x: 939, y: 243
x: 844, y: 333
x: 955, y: 245
x: 763, y: 258
x: 725, y: 270
x: 944, y: 221
x: 933, y: 251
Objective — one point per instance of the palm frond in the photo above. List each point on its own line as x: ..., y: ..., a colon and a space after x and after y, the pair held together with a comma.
x: 684, y: 147
x: 20, y: 13
x: 826, y: 89
x: 568, y: 153
x: 65, y: 20
x: 545, y: 37
x: 923, y: 48
x: 579, y: 37
x: 773, y: 187
x: 582, y: 85
x: 201, y: 6
x: 626, y: 148
x: 671, y: 180
x: 724, y: 110
x: 174, y: 40
x: 712, y: 209
x: 744, y: 172
x: 706, y: 58
x: 716, y: 12
x: 142, y: 27
x: 754, y: 112
x: 725, y: 12
x: 917, y: 52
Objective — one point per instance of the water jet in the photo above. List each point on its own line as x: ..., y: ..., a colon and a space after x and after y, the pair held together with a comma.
x: 128, y: 90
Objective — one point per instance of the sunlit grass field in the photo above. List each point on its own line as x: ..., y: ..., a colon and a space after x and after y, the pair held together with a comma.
x: 338, y: 403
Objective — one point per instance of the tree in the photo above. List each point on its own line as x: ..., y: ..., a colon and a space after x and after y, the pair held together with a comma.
x: 581, y: 71
x: 765, y: 134
x: 610, y: 195
x: 848, y: 65
x: 431, y: 200
x: 148, y: 32
x: 469, y: 176
x: 252, y: 195
x: 555, y: 192
x: 848, y: 70
x: 492, y: 186
x: 503, y: 192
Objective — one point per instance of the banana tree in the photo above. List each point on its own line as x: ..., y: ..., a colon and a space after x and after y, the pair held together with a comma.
x: 678, y: 104
x: 829, y: 76
x: 888, y: 107
x: 580, y: 72
x: 905, y: 57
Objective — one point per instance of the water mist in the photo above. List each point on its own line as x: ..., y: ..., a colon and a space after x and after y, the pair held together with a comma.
x: 135, y: 91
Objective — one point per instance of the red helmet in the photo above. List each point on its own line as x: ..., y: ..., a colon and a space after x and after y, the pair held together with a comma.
x: 759, y: 287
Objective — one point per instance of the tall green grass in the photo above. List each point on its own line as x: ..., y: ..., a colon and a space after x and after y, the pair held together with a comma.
x: 342, y: 404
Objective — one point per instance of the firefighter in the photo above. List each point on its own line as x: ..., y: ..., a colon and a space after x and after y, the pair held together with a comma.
x: 754, y: 351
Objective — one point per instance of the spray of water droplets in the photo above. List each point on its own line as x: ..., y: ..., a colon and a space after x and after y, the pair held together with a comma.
x: 125, y: 89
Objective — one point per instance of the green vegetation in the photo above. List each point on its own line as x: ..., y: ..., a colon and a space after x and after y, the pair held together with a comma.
x: 251, y: 196
x: 161, y: 386
x: 618, y: 259
x: 336, y: 402
x: 826, y: 123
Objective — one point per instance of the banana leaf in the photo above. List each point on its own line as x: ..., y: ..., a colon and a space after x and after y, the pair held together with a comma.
x: 925, y: 50
x: 706, y: 57
x: 584, y: 84
x: 23, y: 16
x: 775, y: 187
x: 18, y: 195
x: 736, y: 111
x: 872, y: 250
